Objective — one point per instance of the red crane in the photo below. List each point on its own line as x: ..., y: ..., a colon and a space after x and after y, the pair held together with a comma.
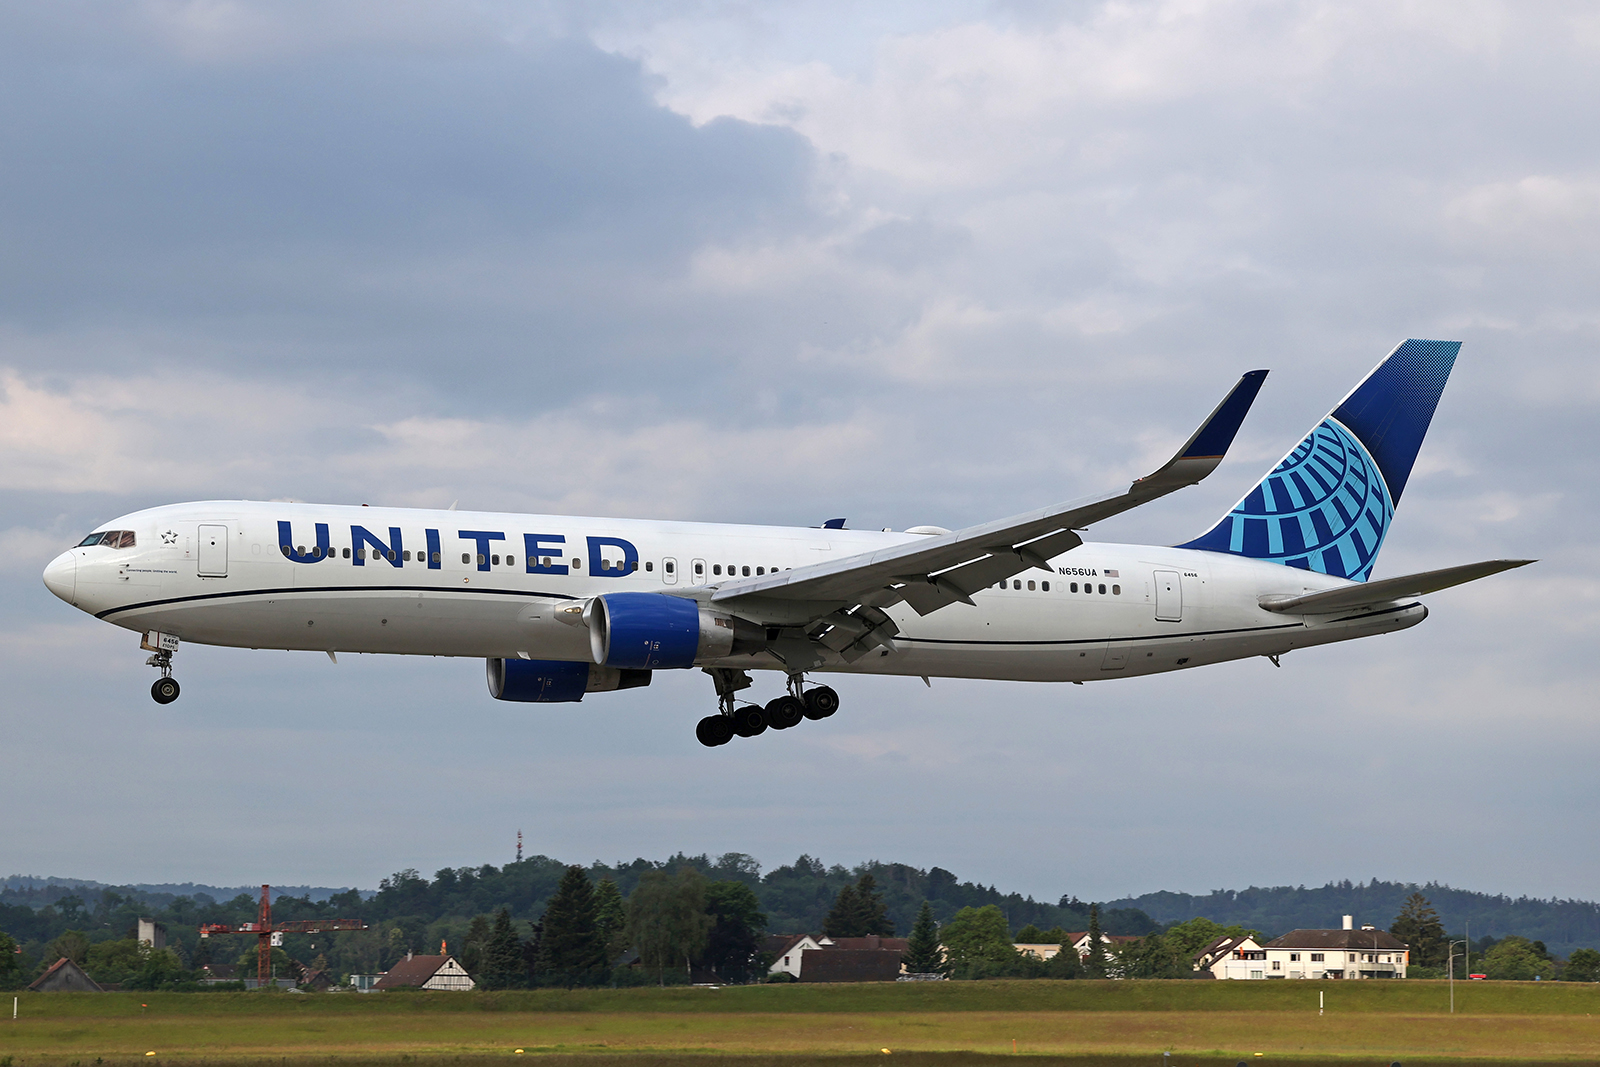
x: 269, y: 935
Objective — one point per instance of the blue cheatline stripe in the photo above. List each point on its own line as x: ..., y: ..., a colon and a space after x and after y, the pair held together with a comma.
x: 239, y: 593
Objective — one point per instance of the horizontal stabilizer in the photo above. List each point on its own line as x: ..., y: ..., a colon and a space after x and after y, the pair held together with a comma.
x: 1375, y: 594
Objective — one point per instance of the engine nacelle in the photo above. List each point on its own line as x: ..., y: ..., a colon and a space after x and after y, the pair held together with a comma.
x: 645, y: 631
x: 548, y: 681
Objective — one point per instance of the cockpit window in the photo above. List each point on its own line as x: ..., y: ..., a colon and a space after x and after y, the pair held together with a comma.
x: 109, y: 539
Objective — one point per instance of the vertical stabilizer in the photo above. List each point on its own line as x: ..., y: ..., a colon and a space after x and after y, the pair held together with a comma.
x: 1327, y: 506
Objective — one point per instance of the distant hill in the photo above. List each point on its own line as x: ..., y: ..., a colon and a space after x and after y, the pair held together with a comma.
x: 1562, y: 925
x: 35, y: 891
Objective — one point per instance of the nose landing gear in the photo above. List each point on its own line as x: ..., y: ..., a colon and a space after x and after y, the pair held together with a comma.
x: 748, y: 720
x: 165, y: 690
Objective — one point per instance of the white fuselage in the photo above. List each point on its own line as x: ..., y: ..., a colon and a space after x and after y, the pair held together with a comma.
x: 491, y: 585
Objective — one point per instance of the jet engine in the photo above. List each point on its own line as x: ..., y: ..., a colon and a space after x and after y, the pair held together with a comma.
x: 644, y: 631
x: 547, y: 681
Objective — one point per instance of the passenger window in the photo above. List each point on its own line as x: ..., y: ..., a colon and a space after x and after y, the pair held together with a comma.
x: 480, y: 559
x: 1030, y: 586
x: 1016, y: 584
x: 465, y: 558
x: 495, y: 560
x: 747, y: 572
x: 1102, y: 590
x: 716, y: 568
x: 1074, y: 587
x: 577, y: 564
x: 649, y: 565
x: 435, y: 558
x: 1116, y: 590
x: 346, y: 554
x: 671, y: 567
x: 361, y: 553
x: 761, y: 570
x: 406, y: 555
x: 699, y: 570
x: 391, y: 555
x: 1044, y: 586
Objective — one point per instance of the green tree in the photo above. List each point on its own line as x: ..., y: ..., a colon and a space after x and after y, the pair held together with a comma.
x: 1517, y: 959
x: 1190, y: 936
x: 859, y: 911
x: 1582, y: 966
x: 1152, y: 956
x: 1419, y: 927
x: 10, y: 962
x: 279, y: 964
x: 503, y: 965
x: 977, y: 943
x: 923, y: 954
x: 733, y: 945
x: 72, y: 944
x: 475, y: 944
x: 611, y: 917
x: 1095, y: 964
x: 572, y: 950
x: 667, y: 920
x: 1031, y: 935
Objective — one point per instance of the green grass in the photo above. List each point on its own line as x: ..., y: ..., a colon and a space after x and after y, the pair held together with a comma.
x: 1406, y: 997
x: 1085, y: 1024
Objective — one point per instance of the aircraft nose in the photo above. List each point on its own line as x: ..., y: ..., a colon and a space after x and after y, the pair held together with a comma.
x: 61, y: 576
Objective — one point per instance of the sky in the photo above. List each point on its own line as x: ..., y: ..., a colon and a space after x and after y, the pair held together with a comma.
x: 928, y: 263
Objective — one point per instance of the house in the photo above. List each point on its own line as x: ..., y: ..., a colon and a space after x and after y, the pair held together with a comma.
x: 1043, y: 952
x: 836, y: 959
x: 1347, y: 953
x: 317, y: 981
x: 1232, y: 957
x: 1080, y: 942
x: 64, y: 976
x: 785, y: 951
x: 427, y: 972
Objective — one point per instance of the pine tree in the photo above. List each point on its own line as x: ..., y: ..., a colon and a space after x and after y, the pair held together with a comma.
x: 476, y: 944
x: 572, y: 951
x: 1094, y: 965
x: 1419, y: 927
x: 923, y: 954
x: 503, y: 966
x: 844, y: 916
x: 873, y: 911
x: 610, y: 917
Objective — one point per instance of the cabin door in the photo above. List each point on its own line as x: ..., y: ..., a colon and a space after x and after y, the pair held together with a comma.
x: 1169, y: 596
x: 212, y: 560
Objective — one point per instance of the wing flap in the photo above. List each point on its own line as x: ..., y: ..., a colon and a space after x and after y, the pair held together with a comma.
x: 1374, y: 594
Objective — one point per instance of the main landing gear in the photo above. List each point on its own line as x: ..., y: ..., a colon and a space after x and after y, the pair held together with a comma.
x: 748, y: 720
x: 165, y: 689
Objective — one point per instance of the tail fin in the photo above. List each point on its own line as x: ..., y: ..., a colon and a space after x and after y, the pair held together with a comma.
x: 1328, y: 505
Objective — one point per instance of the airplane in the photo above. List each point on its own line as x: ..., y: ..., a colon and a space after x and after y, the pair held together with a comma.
x: 563, y: 606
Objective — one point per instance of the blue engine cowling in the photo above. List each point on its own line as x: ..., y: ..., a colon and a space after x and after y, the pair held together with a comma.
x: 547, y: 681
x: 647, y: 631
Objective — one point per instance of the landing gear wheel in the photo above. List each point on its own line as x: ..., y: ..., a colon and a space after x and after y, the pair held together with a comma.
x: 821, y: 702
x: 714, y: 730
x: 785, y: 712
x: 165, y: 690
x: 749, y: 720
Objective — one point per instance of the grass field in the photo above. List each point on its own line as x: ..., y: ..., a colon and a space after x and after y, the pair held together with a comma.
x: 1081, y: 1023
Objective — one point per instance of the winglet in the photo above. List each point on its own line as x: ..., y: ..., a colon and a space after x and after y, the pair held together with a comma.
x: 1204, y: 450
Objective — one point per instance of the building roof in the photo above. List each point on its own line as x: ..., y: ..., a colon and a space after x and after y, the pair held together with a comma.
x: 411, y: 971
x: 778, y: 944
x: 888, y: 944
x: 1352, y: 940
x: 1220, y: 947
x: 64, y: 975
x: 850, y: 964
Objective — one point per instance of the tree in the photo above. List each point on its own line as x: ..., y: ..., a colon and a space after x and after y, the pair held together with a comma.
x: 1152, y: 956
x: 977, y: 943
x: 1190, y: 936
x: 1095, y: 964
x: 1031, y: 935
x: 610, y: 917
x: 72, y: 944
x: 667, y: 919
x: 859, y: 911
x: 1517, y: 959
x: 475, y: 944
x: 923, y: 954
x: 1419, y: 927
x: 503, y: 966
x: 572, y: 949
x: 733, y: 945
x: 1582, y: 966
x: 10, y: 962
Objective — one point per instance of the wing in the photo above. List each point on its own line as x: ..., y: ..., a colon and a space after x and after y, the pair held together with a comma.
x: 1360, y: 595
x: 841, y: 602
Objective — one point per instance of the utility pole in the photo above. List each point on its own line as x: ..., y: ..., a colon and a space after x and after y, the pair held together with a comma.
x: 1450, y: 965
